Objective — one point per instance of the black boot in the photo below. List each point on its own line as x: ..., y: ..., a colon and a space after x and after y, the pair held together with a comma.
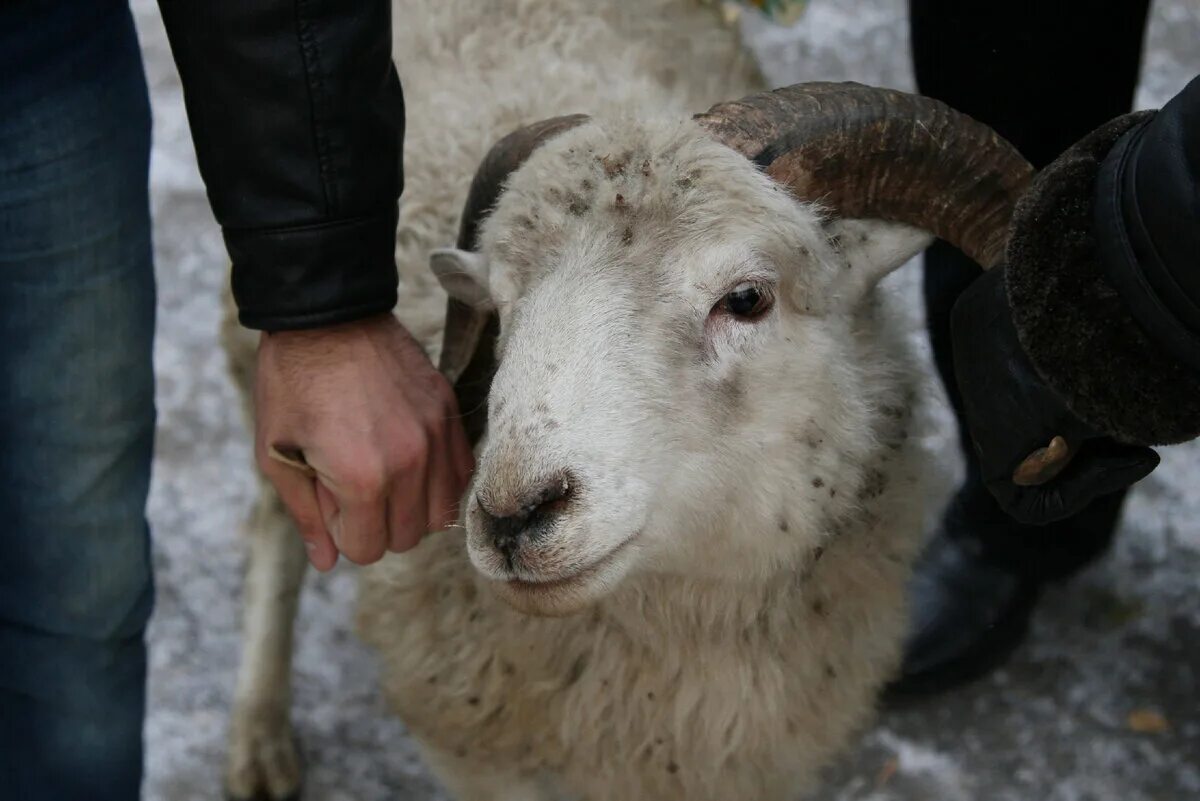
x: 967, y: 613
x: 978, y: 581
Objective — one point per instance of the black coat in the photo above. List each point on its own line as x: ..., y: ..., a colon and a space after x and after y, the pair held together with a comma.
x: 298, y: 121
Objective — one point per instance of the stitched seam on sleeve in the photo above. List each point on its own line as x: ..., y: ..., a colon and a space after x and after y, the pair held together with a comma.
x: 323, y: 225
x: 311, y: 57
x: 281, y: 322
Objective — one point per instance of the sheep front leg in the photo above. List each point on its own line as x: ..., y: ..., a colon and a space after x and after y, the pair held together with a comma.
x: 262, y: 761
x: 469, y: 781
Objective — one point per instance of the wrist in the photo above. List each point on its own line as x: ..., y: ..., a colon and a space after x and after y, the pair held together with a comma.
x: 333, y: 331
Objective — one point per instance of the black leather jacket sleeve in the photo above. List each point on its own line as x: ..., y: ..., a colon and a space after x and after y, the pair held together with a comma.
x: 298, y: 120
x: 1147, y: 220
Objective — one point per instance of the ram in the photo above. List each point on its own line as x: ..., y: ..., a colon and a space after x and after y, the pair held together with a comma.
x: 683, y: 556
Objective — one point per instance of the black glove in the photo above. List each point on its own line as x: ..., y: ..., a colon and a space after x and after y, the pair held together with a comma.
x: 1013, y: 417
x: 1089, y: 336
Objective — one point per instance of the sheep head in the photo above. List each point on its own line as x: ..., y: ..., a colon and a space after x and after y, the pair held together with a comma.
x: 668, y: 323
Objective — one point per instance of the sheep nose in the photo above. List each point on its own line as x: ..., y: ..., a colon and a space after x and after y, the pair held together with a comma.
x: 510, y: 525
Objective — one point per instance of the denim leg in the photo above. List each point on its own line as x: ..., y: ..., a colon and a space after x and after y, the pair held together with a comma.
x: 76, y: 400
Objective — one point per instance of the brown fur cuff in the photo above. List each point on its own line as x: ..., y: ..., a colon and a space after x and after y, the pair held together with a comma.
x: 1076, y: 329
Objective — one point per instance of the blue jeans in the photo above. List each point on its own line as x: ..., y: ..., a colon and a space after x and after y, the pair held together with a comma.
x: 76, y: 400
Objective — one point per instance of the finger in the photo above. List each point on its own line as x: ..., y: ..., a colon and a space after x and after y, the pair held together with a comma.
x: 356, y: 509
x: 459, y: 451
x: 458, y: 447
x: 298, y: 493
x: 463, y: 457
x: 441, y: 488
x: 407, y: 514
x: 331, y: 513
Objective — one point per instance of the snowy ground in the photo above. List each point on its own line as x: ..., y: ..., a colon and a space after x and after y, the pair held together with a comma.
x: 1055, y: 725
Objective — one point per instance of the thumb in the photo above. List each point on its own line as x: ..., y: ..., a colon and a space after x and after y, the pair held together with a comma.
x: 299, y: 494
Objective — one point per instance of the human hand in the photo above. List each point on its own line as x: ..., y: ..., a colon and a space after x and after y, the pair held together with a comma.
x: 1040, y: 461
x: 361, y: 437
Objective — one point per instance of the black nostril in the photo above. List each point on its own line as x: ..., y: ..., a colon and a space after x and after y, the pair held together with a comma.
x: 512, y: 524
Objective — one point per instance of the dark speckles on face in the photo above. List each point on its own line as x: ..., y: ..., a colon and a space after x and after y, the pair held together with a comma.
x: 874, y: 483
x: 613, y: 166
x: 811, y: 436
x: 818, y: 482
x: 783, y: 524
x: 577, y: 205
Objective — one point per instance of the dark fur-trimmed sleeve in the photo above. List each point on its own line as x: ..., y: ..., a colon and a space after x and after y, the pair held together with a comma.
x: 1077, y: 325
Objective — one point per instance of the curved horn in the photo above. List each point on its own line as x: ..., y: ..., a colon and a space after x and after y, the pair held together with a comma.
x: 505, y: 156
x: 883, y: 154
x: 468, y: 344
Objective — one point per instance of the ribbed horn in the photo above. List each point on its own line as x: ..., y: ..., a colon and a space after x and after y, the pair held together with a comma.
x: 879, y: 153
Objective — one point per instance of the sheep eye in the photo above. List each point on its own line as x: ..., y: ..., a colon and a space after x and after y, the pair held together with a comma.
x: 746, y: 301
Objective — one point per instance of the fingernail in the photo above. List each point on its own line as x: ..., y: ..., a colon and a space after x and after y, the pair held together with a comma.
x: 310, y: 546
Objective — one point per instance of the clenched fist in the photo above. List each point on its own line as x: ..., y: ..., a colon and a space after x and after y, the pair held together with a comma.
x: 377, y: 426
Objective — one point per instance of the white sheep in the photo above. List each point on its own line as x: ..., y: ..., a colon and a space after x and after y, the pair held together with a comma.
x: 696, y: 504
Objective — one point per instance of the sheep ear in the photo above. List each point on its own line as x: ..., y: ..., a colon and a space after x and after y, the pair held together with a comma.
x: 464, y: 276
x: 468, y: 357
x: 871, y: 249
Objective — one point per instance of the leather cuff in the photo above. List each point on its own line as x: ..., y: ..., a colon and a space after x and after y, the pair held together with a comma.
x: 1074, y: 325
x: 312, y: 276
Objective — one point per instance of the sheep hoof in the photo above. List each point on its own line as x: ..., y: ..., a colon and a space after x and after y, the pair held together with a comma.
x: 264, y: 763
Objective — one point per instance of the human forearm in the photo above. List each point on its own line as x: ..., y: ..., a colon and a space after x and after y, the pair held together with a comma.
x: 298, y: 120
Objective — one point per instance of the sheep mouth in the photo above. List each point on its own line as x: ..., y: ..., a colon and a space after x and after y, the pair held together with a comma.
x: 560, y: 595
